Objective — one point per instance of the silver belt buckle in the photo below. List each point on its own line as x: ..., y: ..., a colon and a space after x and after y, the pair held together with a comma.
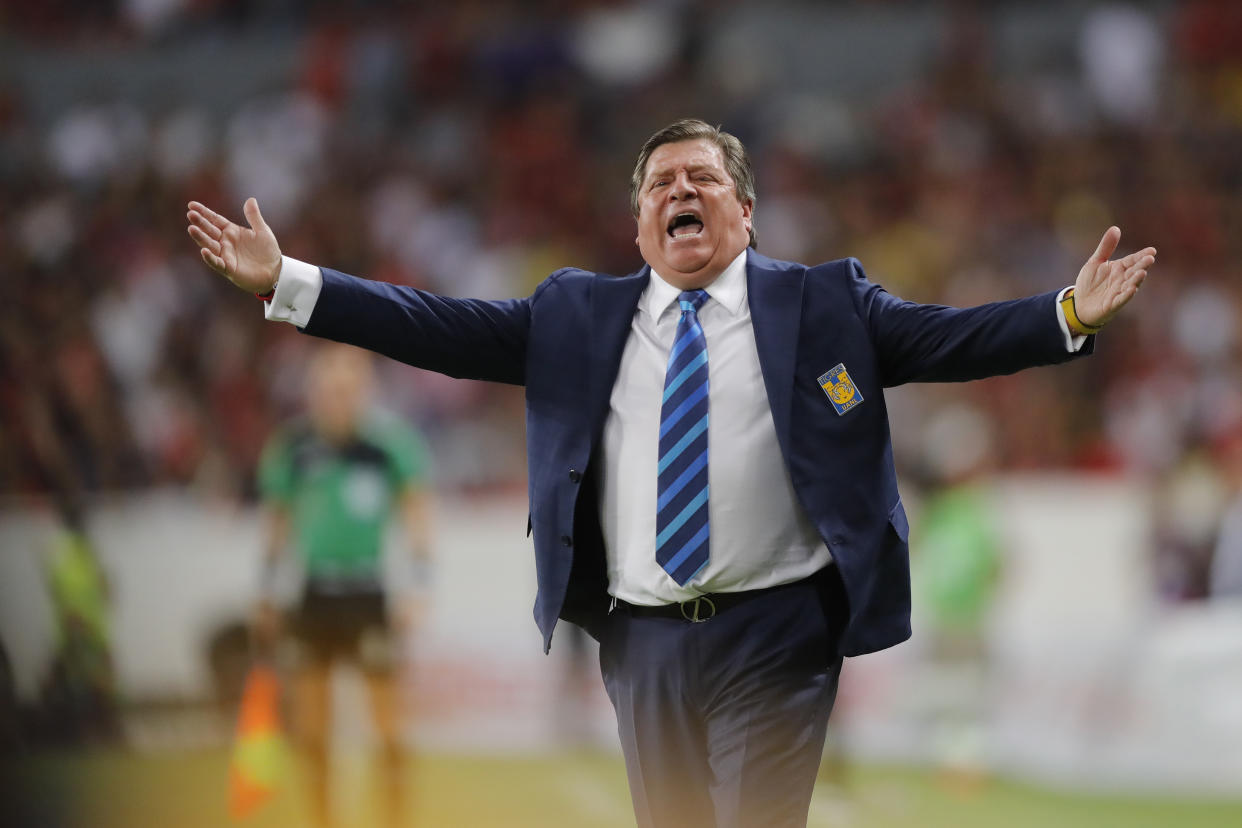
x: 692, y: 610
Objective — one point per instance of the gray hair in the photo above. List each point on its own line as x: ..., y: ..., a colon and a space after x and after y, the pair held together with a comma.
x: 737, y: 162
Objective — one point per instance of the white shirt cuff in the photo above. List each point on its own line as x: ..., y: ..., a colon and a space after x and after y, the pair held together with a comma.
x: 297, y: 291
x: 1072, y: 343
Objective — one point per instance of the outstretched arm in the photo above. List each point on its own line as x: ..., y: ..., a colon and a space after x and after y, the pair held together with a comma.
x: 933, y: 343
x: 471, y: 338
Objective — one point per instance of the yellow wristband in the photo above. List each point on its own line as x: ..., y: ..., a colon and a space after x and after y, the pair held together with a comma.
x: 1071, y: 316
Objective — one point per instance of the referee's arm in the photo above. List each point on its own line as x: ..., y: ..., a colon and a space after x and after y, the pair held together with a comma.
x: 276, y: 530
x: 415, y: 516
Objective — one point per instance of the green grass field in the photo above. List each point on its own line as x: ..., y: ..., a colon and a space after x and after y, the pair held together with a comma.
x: 117, y: 790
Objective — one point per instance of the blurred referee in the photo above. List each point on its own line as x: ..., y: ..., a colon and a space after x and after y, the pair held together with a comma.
x: 331, y: 483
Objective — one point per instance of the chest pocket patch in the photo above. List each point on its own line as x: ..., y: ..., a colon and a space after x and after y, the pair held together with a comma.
x: 841, y: 391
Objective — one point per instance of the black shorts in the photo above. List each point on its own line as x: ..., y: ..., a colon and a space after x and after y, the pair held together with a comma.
x: 353, y: 626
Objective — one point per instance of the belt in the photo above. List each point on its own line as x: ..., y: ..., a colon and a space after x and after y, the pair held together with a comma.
x: 702, y: 607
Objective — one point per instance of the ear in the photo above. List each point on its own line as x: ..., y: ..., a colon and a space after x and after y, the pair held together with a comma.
x: 748, y: 207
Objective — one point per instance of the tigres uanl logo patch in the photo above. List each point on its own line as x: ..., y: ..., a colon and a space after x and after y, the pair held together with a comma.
x: 841, y: 391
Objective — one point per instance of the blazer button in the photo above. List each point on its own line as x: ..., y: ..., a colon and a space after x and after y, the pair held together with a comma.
x: 574, y: 476
x: 567, y: 541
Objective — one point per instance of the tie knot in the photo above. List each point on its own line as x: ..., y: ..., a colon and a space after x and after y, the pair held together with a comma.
x: 692, y: 300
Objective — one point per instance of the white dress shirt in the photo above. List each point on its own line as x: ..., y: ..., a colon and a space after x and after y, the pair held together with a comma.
x: 760, y: 535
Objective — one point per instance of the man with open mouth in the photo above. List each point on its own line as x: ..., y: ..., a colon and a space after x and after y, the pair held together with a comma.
x: 712, y: 488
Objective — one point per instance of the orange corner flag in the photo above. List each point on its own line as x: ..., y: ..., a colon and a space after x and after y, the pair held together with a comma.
x: 259, y: 760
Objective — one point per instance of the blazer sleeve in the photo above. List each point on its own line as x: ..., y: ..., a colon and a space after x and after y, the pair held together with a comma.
x: 466, y: 338
x: 936, y: 343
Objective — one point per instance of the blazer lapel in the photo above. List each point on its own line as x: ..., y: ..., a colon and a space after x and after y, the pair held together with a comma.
x: 613, y: 302
x: 775, y: 296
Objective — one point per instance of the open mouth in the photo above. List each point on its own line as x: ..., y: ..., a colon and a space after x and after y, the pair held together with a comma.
x: 685, y: 224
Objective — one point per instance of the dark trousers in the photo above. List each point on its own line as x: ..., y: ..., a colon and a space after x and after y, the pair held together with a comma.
x: 722, y: 722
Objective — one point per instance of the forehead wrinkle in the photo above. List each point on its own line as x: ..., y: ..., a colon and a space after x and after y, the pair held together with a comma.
x: 692, y: 167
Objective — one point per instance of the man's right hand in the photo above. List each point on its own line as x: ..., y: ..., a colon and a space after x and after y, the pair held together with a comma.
x: 249, y: 257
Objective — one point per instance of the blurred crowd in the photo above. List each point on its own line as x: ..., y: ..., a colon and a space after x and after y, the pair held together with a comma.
x: 471, y: 148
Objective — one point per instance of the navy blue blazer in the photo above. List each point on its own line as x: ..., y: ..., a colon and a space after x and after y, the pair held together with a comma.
x: 564, y: 343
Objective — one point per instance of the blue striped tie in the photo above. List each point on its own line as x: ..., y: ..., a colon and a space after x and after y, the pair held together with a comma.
x: 681, y: 493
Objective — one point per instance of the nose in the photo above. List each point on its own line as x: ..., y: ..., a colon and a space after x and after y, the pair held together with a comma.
x: 682, y: 188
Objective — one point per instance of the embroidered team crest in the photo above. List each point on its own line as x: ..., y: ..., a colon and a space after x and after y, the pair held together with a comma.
x: 841, y: 391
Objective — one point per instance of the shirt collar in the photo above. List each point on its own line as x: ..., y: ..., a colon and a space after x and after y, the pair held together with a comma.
x: 729, y: 289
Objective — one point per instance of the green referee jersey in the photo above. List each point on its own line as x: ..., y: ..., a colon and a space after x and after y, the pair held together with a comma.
x: 341, y: 497
x: 959, y: 557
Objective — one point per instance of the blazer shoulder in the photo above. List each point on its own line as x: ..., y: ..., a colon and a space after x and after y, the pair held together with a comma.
x: 836, y: 269
x: 846, y: 275
x: 840, y: 283
x: 571, y: 278
x: 848, y: 268
x: 570, y: 282
x: 570, y: 274
x: 548, y: 287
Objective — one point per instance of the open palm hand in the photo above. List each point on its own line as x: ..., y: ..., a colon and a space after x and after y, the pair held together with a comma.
x: 1103, y: 286
x: 249, y: 257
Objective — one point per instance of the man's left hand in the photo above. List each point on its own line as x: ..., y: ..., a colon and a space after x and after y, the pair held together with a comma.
x: 1103, y: 286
